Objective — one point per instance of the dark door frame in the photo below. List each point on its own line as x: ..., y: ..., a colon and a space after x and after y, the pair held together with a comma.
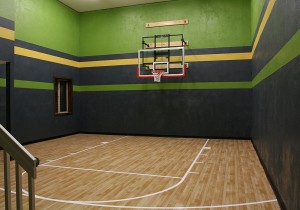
x: 9, y: 88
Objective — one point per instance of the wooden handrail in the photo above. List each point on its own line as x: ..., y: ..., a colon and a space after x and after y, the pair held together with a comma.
x: 18, y: 152
x: 23, y: 159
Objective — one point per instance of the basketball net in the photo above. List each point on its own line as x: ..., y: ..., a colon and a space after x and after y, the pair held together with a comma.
x: 157, y: 74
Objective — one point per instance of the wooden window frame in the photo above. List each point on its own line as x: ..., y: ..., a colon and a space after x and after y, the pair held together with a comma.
x: 69, y: 96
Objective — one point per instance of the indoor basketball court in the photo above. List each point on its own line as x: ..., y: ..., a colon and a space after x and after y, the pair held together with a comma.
x: 139, y: 172
x: 152, y: 104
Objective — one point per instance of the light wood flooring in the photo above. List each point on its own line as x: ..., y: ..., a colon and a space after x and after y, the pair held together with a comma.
x: 86, y: 171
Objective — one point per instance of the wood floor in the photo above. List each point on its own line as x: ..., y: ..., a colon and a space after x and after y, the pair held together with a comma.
x: 132, y: 172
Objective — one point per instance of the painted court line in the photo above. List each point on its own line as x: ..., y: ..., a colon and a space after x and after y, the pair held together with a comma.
x: 81, y: 151
x: 114, y: 172
x: 187, y: 207
x: 25, y: 193
x: 99, y: 204
x: 132, y: 198
x: 162, y: 191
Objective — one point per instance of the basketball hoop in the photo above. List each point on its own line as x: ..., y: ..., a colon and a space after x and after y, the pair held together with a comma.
x: 157, y: 74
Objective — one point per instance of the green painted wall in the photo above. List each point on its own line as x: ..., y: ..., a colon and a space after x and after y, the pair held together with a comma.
x: 48, y: 23
x: 213, y: 24
x: 7, y: 9
x: 256, y: 10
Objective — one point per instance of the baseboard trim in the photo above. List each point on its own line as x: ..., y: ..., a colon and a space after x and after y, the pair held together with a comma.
x: 49, y: 138
x: 172, y: 136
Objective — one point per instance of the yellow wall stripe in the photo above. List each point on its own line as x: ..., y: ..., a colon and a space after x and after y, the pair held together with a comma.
x: 218, y: 57
x: 188, y: 58
x: 45, y: 57
x: 117, y: 62
x: 263, y: 24
x: 122, y: 62
x: 7, y: 34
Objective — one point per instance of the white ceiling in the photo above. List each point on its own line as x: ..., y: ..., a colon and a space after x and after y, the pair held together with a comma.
x: 91, y: 5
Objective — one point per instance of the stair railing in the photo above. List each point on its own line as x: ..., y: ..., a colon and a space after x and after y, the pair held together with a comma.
x: 23, y: 159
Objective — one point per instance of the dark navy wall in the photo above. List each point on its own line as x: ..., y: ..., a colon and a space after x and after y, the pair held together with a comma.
x: 34, y: 117
x: 6, y: 45
x: 276, y: 102
x: 209, y: 71
x: 221, y: 71
x: 282, y: 25
x: 215, y: 112
x: 6, y: 54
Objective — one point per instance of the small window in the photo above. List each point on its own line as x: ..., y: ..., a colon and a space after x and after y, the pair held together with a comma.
x: 63, y: 96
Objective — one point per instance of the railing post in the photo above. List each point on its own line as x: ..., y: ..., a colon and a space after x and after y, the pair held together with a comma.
x: 23, y: 160
x: 31, y: 192
x: 7, y: 180
x: 19, y: 201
